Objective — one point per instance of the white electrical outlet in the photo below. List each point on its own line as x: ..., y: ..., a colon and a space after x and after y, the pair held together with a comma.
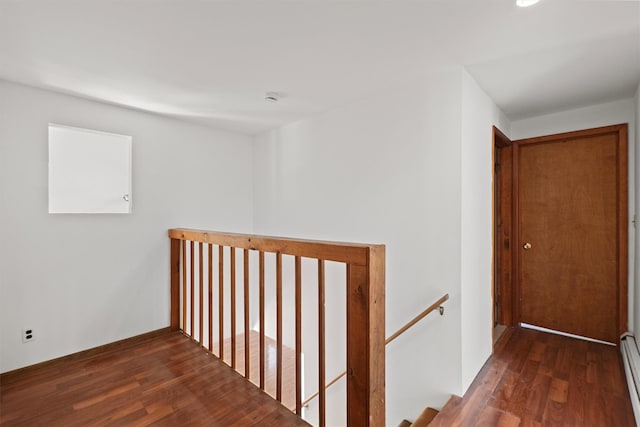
x: 27, y: 335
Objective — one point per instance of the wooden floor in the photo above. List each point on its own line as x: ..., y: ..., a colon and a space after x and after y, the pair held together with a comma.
x: 270, y: 353
x: 165, y: 381
x: 537, y: 379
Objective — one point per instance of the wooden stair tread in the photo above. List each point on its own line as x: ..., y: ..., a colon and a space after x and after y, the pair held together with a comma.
x: 425, y: 417
x: 448, y: 412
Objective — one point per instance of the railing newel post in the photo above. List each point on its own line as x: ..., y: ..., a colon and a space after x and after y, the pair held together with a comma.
x: 366, y: 340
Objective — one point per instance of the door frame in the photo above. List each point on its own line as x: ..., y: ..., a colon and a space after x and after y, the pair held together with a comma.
x: 511, y: 310
x: 503, y: 295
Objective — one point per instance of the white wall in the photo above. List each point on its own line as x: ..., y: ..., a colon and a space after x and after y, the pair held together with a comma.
x: 636, y: 286
x: 610, y: 113
x: 85, y: 280
x: 393, y: 169
x: 479, y: 114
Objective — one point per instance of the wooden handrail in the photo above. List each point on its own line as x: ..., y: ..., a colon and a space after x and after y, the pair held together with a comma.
x: 418, y: 318
x: 402, y: 330
x: 365, y: 281
x: 349, y: 253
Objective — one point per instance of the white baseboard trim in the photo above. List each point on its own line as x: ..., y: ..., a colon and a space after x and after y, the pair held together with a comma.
x: 631, y: 362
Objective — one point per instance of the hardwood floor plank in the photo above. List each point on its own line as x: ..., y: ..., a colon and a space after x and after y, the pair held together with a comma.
x: 577, y: 395
x: 118, y: 415
x: 167, y: 380
x: 537, y: 397
x: 492, y: 417
x: 493, y: 375
x: 528, y: 422
x: 537, y: 351
x: 517, y: 404
x: 562, y: 368
x: 507, y: 420
x: 549, y: 358
x: 503, y: 396
x: 49, y: 366
x: 559, y: 390
x: 448, y: 413
x: 537, y: 379
x: 101, y: 397
x: 554, y: 414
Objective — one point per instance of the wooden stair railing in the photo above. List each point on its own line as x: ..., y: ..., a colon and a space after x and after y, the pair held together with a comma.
x: 365, y: 291
x: 435, y: 306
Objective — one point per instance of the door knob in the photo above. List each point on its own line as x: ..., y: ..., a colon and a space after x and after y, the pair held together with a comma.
x: 527, y: 245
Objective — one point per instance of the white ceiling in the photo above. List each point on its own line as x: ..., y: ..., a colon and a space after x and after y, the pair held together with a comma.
x: 213, y: 61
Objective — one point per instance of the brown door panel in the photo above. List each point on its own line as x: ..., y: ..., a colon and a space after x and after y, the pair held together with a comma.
x: 569, y: 197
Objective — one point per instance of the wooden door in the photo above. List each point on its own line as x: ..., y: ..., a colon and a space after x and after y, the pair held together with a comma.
x: 572, y: 236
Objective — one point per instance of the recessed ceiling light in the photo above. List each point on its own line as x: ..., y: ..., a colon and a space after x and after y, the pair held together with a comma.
x: 525, y: 3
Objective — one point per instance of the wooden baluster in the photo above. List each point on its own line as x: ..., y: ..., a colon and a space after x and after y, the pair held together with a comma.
x: 321, y: 346
x: 261, y: 302
x: 298, y: 274
x: 201, y: 290
x: 175, y: 284
x: 279, y: 326
x: 221, y: 299
x: 191, y: 286
x: 232, y: 262
x: 184, y: 285
x: 210, y: 279
x: 247, y: 354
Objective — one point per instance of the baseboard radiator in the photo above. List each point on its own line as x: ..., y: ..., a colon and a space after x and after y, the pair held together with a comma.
x: 631, y: 360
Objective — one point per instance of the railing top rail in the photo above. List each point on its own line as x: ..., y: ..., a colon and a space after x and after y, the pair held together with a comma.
x: 350, y: 253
